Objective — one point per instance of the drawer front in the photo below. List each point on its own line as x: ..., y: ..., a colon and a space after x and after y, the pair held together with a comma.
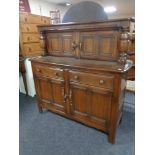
x: 45, y: 20
x: 34, y: 19
x: 48, y: 71
x: 28, y: 28
x: 31, y: 48
x: 97, y: 80
x: 30, y: 38
x: 23, y: 18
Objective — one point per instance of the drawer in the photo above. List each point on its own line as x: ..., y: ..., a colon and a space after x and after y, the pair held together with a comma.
x: 34, y: 19
x: 31, y: 47
x: 30, y: 38
x: 28, y: 28
x: 45, y: 20
x: 23, y: 18
x: 48, y: 71
x: 97, y: 80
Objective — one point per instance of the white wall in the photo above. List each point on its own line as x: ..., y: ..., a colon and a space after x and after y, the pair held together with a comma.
x: 43, y: 8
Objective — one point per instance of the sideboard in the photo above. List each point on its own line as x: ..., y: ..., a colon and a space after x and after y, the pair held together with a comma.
x: 82, y: 72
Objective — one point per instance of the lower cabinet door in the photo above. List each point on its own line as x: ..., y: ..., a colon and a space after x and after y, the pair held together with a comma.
x: 91, y: 105
x: 51, y: 93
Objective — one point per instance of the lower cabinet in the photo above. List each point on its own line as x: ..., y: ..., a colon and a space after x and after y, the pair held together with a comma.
x: 90, y: 98
x: 50, y: 93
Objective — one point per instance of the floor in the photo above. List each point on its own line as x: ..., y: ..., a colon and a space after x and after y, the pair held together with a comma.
x: 51, y: 134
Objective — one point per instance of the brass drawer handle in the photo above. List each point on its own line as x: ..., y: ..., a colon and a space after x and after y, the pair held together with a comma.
x: 76, y: 77
x: 74, y: 45
x: 102, y: 82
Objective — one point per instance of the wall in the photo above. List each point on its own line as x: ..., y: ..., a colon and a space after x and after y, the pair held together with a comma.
x: 43, y: 8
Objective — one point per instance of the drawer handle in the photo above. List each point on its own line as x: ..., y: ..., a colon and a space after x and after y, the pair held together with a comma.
x: 25, y: 19
x: 76, y: 77
x: 30, y: 49
x: 44, y: 21
x: 74, y: 45
x: 28, y: 38
x: 56, y: 74
x: 28, y: 29
x: 38, y: 70
x: 102, y: 82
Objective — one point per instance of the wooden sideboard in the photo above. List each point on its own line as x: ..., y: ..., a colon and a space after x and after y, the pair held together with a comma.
x: 82, y: 73
x: 29, y: 38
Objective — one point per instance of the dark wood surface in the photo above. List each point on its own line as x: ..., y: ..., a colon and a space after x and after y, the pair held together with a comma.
x: 82, y: 73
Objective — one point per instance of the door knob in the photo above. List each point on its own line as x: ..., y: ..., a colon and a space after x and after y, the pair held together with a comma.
x: 102, y: 82
x: 76, y: 77
x: 74, y: 45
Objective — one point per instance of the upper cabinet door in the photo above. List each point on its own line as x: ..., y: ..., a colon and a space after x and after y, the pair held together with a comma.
x: 98, y: 45
x: 61, y: 44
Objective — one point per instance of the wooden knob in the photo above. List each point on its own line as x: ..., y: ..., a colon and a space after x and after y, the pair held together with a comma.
x: 56, y: 74
x: 38, y: 70
x: 28, y: 29
x: 102, y: 82
x: 76, y: 77
x: 28, y: 38
x: 44, y: 21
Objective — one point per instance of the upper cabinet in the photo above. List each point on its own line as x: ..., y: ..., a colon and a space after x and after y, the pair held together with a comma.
x: 105, y: 40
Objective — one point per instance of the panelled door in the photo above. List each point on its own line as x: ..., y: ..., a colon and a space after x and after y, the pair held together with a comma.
x: 90, y: 104
x: 61, y: 43
x: 98, y: 45
x: 51, y: 93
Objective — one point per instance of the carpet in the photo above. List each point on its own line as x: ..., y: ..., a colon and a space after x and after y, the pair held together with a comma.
x: 51, y: 134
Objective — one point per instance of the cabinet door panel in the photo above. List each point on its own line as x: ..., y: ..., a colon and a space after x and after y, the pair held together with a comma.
x: 89, y: 104
x: 79, y: 100
x: 57, y: 91
x: 100, y: 106
x: 60, y: 43
x: 51, y: 93
x: 99, y: 45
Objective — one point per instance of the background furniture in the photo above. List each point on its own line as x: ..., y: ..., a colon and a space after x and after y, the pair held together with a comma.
x: 29, y: 47
x: 83, y: 72
x: 22, y: 70
x: 29, y: 38
x: 55, y: 16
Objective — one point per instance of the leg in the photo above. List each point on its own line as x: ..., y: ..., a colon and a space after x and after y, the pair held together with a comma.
x: 120, y: 121
x: 111, y: 137
x: 40, y: 108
